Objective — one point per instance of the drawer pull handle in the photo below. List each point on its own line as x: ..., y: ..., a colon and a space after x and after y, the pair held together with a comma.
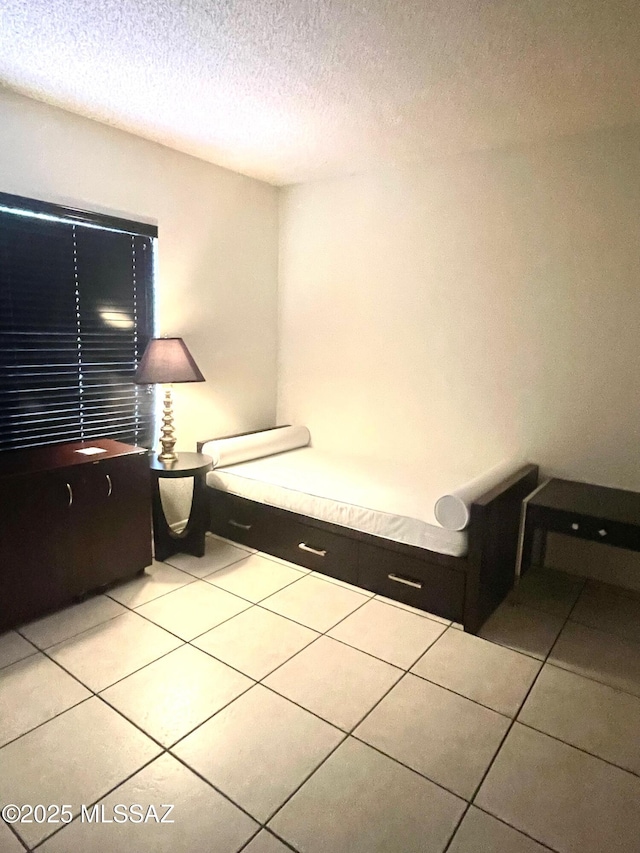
x: 602, y: 532
x: 575, y: 526
x: 238, y: 525
x: 405, y: 581
x: 315, y: 551
x: 70, y: 490
x: 110, y: 485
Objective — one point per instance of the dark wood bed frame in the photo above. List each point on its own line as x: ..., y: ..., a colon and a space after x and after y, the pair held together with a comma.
x: 465, y: 589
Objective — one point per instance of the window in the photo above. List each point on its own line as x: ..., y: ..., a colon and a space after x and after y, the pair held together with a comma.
x: 76, y: 312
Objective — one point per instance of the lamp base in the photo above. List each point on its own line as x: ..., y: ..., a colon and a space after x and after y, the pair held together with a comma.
x: 167, y: 436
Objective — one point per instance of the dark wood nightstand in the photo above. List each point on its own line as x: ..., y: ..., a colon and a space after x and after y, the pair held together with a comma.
x: 191, y: 539
x: 597, y: 513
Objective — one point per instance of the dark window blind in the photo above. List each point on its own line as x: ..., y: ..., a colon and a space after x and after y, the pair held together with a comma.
x: 76, y: 312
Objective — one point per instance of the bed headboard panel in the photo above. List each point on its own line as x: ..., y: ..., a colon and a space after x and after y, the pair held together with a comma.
x: 493, y: 542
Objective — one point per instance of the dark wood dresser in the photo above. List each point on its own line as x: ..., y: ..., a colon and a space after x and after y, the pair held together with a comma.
x: 70, y: 522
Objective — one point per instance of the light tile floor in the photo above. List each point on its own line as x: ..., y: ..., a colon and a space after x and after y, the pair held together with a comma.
x: 278, y: 710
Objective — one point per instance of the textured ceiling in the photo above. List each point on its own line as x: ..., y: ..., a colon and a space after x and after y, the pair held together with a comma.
x: 292, y: 90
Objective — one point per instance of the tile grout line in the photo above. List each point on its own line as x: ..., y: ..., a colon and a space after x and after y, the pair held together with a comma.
x: 273, y: 613
x: 505, y: 823
x: 187, y: 734
x: 270, y: 832
x: 31, y: 654
x: 97, y: 694
x: 325, y: 633
x: 527, y: 694
x: 167, y: 750
x: 512, y: 720
x: 407, y: 608
x: 235, y: 595
x: 305, y: 780
x: 347, y: 734
x: 19, y: 660
x: 568, y: 620
x: 249, y: 840
x: 580, y: 749
x: 215, y: 788
x: 191, y: 579
x: 271, y: 689
x: 94, y: 802
x: 581, y: 582
x: 79, y: 633
x: 11, y: 828
x: 450, y: 689
x: 508, y: 731
x: 350, y: 732
x: 275, y: 592
x: 183, y: 642
x: 541, y: 660
x: 320, y: 634
x: 304, y: 648
x: 133, y: 609
x: 579, y: 585
x: 49, y: 719
x: 399, y: 761
x: 591, y: 678
x: 623, y: 637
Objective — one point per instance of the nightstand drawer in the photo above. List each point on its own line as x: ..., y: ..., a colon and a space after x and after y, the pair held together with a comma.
x: 420, y: 584
x: 594, y: 529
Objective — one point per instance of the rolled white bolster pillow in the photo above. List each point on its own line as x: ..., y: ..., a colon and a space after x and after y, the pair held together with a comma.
x: 452, y: 511
x: 242, y: 448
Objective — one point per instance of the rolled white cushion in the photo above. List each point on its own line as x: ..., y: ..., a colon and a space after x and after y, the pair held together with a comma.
x: 241, y: 448
x: 453, y: 510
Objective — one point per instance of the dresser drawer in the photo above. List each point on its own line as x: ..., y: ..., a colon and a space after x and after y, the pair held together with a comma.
x: 313, y: 547
x: 420, y: 584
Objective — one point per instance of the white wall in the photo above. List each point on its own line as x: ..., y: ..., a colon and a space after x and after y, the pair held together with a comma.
x: 217, y: 259
x: 478, y: 306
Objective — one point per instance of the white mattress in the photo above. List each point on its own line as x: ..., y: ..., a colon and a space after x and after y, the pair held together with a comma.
x: 383, y: 499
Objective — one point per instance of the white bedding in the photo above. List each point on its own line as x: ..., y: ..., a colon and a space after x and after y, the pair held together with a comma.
x: 345, y: 490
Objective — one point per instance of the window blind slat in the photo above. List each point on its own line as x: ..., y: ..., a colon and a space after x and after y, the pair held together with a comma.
x: 76, y: 312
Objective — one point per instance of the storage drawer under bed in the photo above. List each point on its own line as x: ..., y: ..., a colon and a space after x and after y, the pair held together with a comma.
x: 237, y: 519
x: 314, y: 548
x: 279, y: 532
x: 418, y: 583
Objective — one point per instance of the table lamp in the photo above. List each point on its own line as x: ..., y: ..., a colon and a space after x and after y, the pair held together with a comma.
x: 165, y: 361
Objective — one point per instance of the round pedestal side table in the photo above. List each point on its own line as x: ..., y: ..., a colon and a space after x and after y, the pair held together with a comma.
x: 191, y: 539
